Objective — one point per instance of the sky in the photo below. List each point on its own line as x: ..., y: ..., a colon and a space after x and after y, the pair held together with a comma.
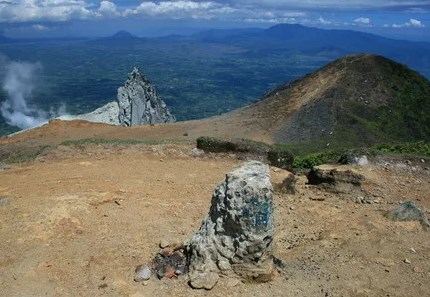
x: 400, y: 19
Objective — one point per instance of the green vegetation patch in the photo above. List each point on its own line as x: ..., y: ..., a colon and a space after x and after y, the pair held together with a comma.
x: 315, y: 159
x: 86, y: 141
x: 215, y: 145
x: 420, y: 148
x: 24, y: 156
x: 281, y: 156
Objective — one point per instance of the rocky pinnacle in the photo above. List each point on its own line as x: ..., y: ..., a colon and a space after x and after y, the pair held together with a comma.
x: 139, y: 103
x: 235, y: 238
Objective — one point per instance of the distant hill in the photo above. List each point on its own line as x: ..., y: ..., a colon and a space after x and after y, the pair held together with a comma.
x: 356, y: 100
x: 122, y: 35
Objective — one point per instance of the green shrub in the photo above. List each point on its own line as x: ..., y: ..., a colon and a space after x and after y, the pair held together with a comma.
x: 420, y: 148
x: 315, y: 159
x: 281, y: 157
x: 214, y: 145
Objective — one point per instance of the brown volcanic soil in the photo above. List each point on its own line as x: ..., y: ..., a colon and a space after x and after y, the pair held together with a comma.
x: 78, y: 220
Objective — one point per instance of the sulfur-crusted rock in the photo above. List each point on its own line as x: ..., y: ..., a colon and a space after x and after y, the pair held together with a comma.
x: 235, y: 238
x: 139, y: 103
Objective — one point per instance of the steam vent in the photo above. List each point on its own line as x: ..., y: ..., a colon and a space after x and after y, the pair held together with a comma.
x: 235, y: 239
x: 139, y: 103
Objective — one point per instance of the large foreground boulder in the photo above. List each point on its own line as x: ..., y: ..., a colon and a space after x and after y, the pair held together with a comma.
x: 236, y: 237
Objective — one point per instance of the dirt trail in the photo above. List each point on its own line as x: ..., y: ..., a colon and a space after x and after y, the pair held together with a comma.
x: 78, y: 220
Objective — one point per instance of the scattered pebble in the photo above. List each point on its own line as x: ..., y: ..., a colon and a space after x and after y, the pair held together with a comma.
x: 232, y: 282
x: 4, y: 201
x: 143, y: 273
x: 163, y: 243
x: 407, y: 261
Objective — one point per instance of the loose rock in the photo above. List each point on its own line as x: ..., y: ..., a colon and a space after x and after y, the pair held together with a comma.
x: 169, y: 263
x: 409, y: 211
x: 289, y: 184
x: 336, y: 179
x: 163, y: 243
x: 142, y: 273
x: 4, y: 201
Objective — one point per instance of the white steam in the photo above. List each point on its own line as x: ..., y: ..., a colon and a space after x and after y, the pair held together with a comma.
x: 18, y: 84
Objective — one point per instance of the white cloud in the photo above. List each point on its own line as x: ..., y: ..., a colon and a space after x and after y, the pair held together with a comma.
x: 39, y: 27
x: 271, y: 21
x: 363, y: 22
x: 323, y: 21
x: 46, y: 10
x: 416, y: 23
x: 336, y: 4
x: 108, y: 9
x: 176, y: 9
x: 412, y: 23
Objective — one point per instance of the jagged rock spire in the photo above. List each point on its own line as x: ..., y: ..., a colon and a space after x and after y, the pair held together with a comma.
x: 139, y: 103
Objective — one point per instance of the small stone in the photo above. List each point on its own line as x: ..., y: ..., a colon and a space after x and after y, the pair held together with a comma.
x: 204, y: 280
x: 176, y: 246
x: 423, y: 161
x: 409, y: 211
x: 142, y: 273
x: 417, y: 269
x: 166, y: 252
x: 197, y: 152
x: 163, y: 243
x: 232, y: 282
x: 407, y: 261
x: 170, y: 272
x: 4, y: 201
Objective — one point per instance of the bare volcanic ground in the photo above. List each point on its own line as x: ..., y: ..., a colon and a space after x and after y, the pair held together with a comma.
x: 77, y: 221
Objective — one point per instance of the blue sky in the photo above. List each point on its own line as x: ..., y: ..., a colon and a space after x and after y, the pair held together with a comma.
x: 402, y: 19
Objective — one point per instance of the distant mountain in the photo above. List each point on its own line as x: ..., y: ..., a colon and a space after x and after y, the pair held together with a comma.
x: 123, y: 35
x: 318, y: 42
x: 219, y: 34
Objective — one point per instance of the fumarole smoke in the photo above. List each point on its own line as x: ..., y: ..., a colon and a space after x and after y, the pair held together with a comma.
x: 18, y: 85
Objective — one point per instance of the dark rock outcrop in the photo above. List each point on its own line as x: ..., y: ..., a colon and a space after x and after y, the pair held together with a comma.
x: 139, y: 103
x: 337, y: 179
